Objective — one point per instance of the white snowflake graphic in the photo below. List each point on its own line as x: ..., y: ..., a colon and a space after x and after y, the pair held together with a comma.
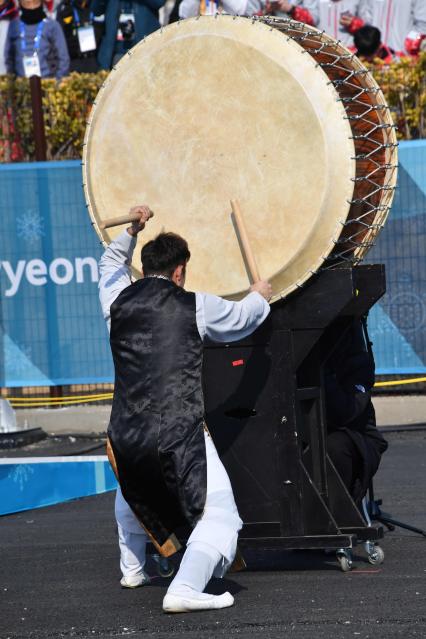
x: 21, y: 474
x: 30, y: 226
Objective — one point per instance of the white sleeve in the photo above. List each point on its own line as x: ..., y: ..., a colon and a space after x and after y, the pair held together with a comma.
x: 235, y: 7
x: 365, y: 11
x: 253, y: 7
x: 189, y: 8
x: 224, y: 321
x: 420, y: 16
x: 114, y: 271
x: 313, y: 8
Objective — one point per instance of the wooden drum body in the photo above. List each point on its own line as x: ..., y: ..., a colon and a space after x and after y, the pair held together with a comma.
x: 267, y: 111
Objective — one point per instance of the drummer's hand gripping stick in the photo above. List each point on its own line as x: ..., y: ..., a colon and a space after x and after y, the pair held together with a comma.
x: 122, y: 219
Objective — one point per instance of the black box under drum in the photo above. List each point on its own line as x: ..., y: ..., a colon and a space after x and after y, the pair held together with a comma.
x: 265, y: 409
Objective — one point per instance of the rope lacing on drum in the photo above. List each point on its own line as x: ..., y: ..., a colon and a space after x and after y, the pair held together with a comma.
x: 367, y: 136
x: 302, y: 38
x: 373, y: 129
x: 371, y: 132
x: 367, y: 226
x: 339, y: 259
x: 371, y: 107
x: 379, y: 168
x: 356, y: 243
x: 372, y: 225
x: 368, y: 156
x: 368, y: 109
x: 354, y: 99
x: 319, y: 50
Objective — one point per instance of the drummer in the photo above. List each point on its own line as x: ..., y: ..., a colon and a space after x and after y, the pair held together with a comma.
x: 168, y: 468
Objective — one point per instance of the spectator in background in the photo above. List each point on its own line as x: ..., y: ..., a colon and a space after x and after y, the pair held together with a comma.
x: 415, y: 43
x: 173, y: 10
x: 396, y: 19
x: 369, y: 46
x: 8, y: 12
x: 126, y: 23
x: 301, y: 10
x: 191, y: 8
x: 342, y: 18
x: 82, y: 34
x: 50, y: 7
x: 35, y: 44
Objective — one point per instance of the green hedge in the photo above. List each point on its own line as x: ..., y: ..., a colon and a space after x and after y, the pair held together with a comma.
x: 404, y: 86
x: 67, y: 105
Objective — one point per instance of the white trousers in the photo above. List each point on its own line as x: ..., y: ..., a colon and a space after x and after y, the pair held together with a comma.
x: 215, y: 534
x: 132, y: 538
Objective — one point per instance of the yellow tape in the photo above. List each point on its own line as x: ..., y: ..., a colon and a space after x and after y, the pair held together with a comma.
x: 33, y: 402
x: 98, y: 396
x: 398, y: 382
x: 66, y: 402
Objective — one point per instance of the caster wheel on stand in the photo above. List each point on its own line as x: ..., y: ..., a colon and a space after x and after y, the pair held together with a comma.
x: 163, y: 565
x: 375, y: 554
x: 344, y: 557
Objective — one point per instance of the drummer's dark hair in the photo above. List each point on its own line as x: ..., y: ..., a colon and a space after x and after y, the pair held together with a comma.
x: 367, y: 40
x: 163, y: 254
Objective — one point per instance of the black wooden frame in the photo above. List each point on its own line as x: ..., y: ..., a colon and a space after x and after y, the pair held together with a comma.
x: 264, y: 402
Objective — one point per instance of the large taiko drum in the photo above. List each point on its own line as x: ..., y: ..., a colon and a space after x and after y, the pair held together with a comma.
x: 268, y: 111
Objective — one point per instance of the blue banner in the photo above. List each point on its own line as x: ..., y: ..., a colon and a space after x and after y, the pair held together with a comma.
x: 398, y: 322
x: 34, y: 482
x: 51, y: 328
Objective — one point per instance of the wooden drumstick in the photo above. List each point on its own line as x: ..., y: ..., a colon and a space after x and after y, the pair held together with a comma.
x: 122, y: 219
x: 244, y: 243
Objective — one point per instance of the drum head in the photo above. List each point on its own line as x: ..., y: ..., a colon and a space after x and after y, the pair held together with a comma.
x: 213, y: 109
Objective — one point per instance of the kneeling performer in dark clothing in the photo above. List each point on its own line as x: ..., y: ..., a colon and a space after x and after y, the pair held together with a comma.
x: 354, y: 444
x: 168, y: 468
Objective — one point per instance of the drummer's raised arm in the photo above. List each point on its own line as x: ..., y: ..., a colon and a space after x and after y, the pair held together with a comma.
x: 223, y: 321
x: 114, y: 265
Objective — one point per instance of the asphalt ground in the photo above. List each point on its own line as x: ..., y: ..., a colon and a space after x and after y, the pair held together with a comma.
x: 60, y: 577
x: 60, y: 446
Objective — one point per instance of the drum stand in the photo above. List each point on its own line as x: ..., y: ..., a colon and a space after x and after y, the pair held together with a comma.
x: 264, y: 404
x: 376, y: 514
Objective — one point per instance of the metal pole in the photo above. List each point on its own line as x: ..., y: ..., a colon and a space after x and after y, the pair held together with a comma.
x: 38, y: 120
x: 40, y: 156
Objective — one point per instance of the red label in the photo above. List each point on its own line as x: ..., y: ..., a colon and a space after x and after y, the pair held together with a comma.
x: 238, y: 362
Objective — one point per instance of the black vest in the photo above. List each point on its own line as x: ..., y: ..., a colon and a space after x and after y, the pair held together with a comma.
x: 156, y: 425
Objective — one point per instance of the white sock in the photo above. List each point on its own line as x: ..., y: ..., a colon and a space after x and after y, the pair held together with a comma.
x: 195, y: 571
